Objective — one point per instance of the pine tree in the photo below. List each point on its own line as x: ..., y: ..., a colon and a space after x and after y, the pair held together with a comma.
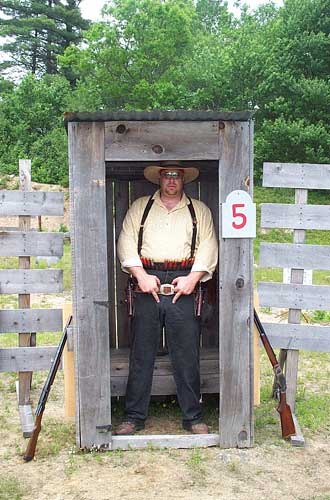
x: 37, y: 31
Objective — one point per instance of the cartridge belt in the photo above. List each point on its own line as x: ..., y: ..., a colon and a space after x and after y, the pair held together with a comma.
x: 167, y: 265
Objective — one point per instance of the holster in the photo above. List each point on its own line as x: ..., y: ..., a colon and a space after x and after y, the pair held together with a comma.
x: 199, y: 299
x: 130, y: 297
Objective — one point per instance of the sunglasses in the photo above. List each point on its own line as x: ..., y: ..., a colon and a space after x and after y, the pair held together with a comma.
x: 169, y: 174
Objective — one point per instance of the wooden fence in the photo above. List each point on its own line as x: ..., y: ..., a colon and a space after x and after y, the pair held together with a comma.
x: 298, y: 256
x: 24, y: 243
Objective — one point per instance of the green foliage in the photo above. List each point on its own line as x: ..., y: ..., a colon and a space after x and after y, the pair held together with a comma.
x: 36, y: 32
x: 31, y: 127
x: 135, y: 61
x: 177, y: 54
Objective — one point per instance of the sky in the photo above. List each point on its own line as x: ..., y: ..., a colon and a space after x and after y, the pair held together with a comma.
x: 91, y: 8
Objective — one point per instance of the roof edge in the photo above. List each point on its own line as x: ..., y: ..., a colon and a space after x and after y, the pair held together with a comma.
x: 157, y: 115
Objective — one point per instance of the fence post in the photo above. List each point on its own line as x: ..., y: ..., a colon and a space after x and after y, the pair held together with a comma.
x: 25, y: 339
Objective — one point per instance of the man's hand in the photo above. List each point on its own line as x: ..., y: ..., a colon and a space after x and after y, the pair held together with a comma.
x: 148, y: 283
x: 185, y: 285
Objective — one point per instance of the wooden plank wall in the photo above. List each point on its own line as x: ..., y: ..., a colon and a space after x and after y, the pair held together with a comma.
x: 124, y: 149
x: 90, y: 283
x: 236, y: 296
x: 120, y: 195
x: 297, y: 256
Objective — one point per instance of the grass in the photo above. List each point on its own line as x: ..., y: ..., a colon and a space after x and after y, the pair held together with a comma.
x: 56, y: 436
x: 11, y: 488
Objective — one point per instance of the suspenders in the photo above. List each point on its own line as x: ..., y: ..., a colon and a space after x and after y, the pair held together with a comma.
x: 193, y: 218
x: 144, y: 216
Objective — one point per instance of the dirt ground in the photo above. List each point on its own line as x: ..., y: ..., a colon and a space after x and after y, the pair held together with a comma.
x: 271, y: 469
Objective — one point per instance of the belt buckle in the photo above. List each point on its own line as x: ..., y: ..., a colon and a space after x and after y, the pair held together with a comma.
x: 166, y: 289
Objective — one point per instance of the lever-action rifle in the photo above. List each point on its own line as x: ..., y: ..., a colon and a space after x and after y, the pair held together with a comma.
x: 31, y: 447
x: 287, y: 424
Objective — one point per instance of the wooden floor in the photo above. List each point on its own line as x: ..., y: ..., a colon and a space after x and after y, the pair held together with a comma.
x: 163, y: 382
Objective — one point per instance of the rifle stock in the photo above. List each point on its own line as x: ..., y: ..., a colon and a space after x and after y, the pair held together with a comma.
x: 284, y: 410
x: 32, y: 444
x: 287, y: 423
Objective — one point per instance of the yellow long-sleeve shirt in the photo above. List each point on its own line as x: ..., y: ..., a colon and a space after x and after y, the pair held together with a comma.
x: 167, y: 235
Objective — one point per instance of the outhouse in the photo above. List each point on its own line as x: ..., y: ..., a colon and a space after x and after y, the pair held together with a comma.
x: 108, y: 152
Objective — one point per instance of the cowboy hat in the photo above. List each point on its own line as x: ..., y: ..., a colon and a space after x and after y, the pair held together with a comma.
x: 152, y: 172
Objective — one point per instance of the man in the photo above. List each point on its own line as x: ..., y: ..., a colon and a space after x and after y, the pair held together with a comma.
x: 168, y: 245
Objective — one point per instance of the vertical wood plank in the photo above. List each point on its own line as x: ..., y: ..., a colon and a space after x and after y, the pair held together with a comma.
x: 24, y: 223
x: 297, y: 276
x: 142, y: 188
x: 121, y: 207
x: 192, y: 189
x: 236, y: 284
x: 209, y: 194
x: 91, y: 315
x: 111, y: 260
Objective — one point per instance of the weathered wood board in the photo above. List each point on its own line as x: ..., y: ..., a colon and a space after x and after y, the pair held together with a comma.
x: 32, y: 203
x: 296, y: 216
x: 163, y: 381
x: 296, y: 336
x: 236, y: 297
x: 294, y: 296
x: 30, y: 320
x: 20, y: 243
x: 31, y: 281
x: 26, y: 359
x: 138, y: 140
x: 164, y: 441
x: 291, y: 255
x: 90, y: 282
x: 296, y: 175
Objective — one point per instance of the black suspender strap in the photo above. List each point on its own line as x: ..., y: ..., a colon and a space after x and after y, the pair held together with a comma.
x: 194, y: 233
x: 144, y: 216
x: 193, y: 218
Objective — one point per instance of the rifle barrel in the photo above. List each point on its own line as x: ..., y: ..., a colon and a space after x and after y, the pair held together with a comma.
x: 31, y: 447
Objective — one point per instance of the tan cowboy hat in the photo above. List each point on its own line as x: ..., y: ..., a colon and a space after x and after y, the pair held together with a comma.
x: 152, y: 172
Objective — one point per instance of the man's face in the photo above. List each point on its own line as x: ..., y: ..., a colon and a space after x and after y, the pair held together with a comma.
x: 171, y: 181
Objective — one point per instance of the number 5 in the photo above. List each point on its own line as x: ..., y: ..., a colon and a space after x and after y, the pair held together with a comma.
x: 238, y: 214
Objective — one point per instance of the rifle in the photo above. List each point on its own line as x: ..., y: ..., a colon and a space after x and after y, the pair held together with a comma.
x: 31, y: 447
x: 287, y: 424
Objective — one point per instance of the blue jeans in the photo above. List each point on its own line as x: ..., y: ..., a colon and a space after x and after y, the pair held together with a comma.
x: 183, y: 337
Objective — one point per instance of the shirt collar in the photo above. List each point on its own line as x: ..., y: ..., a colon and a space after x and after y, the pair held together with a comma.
x: 182, y: 203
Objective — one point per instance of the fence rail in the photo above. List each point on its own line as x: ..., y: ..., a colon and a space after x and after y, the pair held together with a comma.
x: 296, y: 175
x: 291, y: 255
x: 32, y: 203
x: 31, y: 281
x: 30, y: 243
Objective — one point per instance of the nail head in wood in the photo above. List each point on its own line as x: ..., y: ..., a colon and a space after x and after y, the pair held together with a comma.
x: 158, y: 149
x: 121, y: 129
x: 239, y: 283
